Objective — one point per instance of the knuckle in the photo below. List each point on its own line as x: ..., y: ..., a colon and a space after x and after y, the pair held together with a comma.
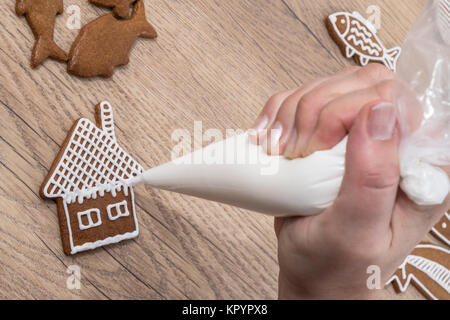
x: 276, y: 99
x: 328, y: 115
x: 375, y: 72
x: 351, y: 69
x: 307, y: 102
x: 385, y: 89
x: 329, y: 124
x: 273, y: 102
x: 380, y: 178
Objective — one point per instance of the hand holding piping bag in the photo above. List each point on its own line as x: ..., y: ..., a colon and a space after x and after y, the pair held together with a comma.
x: 372, y: 222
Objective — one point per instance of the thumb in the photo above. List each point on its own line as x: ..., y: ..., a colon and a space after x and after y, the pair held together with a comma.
x: 371, y: 178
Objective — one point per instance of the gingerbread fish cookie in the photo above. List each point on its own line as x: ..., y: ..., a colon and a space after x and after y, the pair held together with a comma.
x: 442, y: 229
x: 121, y: 8
x: 356, y: 37
x: 427, y: 268
x: 40, y: 15
x: 105, y: 43
x: 90, y: 180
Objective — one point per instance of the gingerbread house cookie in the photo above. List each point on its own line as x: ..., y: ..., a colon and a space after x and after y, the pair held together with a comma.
x: 90, y: 180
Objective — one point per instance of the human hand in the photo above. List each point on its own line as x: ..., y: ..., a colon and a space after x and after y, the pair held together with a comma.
x: 371, y: 222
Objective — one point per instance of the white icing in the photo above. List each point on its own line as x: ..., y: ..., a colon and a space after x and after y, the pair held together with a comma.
x: 104, y: 242
x: 92, y: 162
x: 255, y: 181
x: 88, y: 215
x: 426, y: 184
x: 349, y: 52
x: 438, y: 273
x: 359, y: 42
x: 442, y: 237
x: 369, y: 40
x: 98, y: 191
x: 91, y: 165
x: 121, y: 210
x: 361, y: 28
x: 107, y: 119
x: 270, y: 185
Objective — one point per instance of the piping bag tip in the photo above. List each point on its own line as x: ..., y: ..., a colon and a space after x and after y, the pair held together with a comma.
x: 136, y: 180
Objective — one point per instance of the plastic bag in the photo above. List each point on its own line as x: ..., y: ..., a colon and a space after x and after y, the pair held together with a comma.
x: 424, y: 71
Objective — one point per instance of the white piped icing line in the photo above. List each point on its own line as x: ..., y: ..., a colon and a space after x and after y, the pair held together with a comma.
x: 92, y: 161
x: 444, y: 225
x: 99, y: 191
x: 360, y: 42
x: 121, y: 210
x: 107, y: 119
x: 88, y: 215
x: 438, y: 273
x: 360, y: 38
x: 104, y: 242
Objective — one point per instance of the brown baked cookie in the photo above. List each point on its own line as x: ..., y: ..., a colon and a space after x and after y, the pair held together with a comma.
x: 427, y: 268
x: 442, y: 229
x: 121, y: 8
x: 90, y: 180
x: 40, y: 15
x: 357, y: 38
x: 105, y: 43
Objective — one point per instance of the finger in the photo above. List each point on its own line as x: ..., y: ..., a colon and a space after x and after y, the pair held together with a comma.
x: 369, y: 187
x: 278, y: 224
x: 281, y: 132
x: 337, y: 117
x: 280, y: 128
x: 313, y: 102
x: 267, y: 115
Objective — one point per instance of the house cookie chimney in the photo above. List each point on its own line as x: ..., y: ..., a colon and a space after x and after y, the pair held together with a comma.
x: 105, y: 119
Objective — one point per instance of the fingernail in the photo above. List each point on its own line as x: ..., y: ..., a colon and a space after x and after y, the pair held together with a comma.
x: 382, y: 122
x: 275, y: 134
x: 261, y: 124
x: 255, y: 133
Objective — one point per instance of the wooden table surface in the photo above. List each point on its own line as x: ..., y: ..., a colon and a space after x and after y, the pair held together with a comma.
x: 214, y: 61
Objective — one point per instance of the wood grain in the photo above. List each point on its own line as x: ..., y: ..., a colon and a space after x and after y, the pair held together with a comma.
x: 215, y: 61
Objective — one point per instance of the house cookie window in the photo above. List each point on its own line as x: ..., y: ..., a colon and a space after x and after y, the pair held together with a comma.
x: 89, y: 219
x: 117, y: 210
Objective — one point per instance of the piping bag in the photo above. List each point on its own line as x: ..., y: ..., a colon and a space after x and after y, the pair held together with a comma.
x: 236, y: 172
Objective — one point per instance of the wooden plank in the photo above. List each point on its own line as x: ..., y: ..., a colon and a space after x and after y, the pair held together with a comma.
x: 214, y: 61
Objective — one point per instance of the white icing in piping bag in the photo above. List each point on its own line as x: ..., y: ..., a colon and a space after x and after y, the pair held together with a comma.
x: 271, y: 185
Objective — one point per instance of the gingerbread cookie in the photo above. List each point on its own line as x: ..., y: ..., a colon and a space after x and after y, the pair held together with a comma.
x: 40, y: 15
x: 427, y: 268
x: 356, y: 37
x: 442, y: 230
x: 121, y: 8
x: 105, y: 43
x: 90, y: 180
